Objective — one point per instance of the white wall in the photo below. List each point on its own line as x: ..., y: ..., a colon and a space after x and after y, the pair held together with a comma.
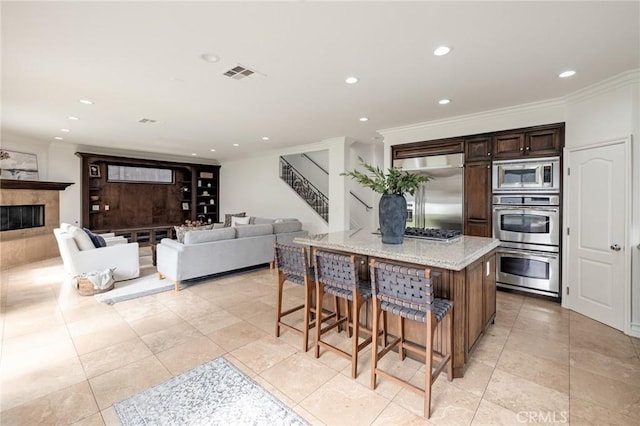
x: 253, y: 185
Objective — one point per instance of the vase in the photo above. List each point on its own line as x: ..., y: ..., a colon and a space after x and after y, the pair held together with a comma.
x: 392, y: 212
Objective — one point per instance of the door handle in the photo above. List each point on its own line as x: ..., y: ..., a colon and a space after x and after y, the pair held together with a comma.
x: 616, y: 247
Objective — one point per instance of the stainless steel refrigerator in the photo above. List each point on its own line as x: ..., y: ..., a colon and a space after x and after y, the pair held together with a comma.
x: 437, y: 203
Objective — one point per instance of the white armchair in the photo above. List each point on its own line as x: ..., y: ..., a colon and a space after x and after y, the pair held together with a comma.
x: 122, y: 256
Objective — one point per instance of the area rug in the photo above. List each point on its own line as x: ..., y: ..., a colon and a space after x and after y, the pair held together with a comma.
x: 138, y: 287
x: 215, y: 393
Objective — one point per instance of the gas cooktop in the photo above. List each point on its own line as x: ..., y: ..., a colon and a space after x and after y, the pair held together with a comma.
x: 432, y: 234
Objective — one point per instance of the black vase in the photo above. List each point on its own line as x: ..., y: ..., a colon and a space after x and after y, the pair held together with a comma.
x: 392, y: 212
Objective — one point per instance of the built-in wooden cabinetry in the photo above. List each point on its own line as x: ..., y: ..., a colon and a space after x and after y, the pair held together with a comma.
x: 181, y: 191
x: 481, y: 298
x: 480, y: 151
x: 539, y: 141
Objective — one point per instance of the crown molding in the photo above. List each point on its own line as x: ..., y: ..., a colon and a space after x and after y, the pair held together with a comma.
x: 624, y: 79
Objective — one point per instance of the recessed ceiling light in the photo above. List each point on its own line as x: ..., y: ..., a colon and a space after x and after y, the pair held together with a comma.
x: 212, y: 150
x: 444, y: 101
x: 567, y: 73
x: 236, y: 144
x: 58, y: 138
x: 265, y: 138
x: 65, y: 130
x: 73, y: 118
x: 364, y: 119
x: 351, y: 80
x: 441, y: 51
x: 86, y: 102
x: 193, y: 153
x: 210, y: 57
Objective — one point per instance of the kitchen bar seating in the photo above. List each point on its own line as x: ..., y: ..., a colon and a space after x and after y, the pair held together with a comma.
x: 337, y: 274
x: 292, y: 264
x: 408, y: 293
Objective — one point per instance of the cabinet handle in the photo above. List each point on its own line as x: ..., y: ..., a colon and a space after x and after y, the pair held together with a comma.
x: 528, y: 148
x: 488, y: 153
x: 520, y: 148
x: 488, y: 167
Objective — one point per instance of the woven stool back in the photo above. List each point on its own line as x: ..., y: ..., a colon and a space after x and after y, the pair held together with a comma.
x: 336, y: 270
x: 407, y: 287
x: 293, y: 262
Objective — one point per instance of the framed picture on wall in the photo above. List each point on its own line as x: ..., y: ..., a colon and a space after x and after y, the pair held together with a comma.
x: 18, y: 165
x: 185, y: 206
x: 94, y: 170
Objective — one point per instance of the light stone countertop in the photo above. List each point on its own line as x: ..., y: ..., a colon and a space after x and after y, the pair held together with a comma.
x: 455, y: 255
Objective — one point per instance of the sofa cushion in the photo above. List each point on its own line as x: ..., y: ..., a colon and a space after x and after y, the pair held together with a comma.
x: 282, y: 227
x: 237, y: 220
x: 227, y: 217
x: 205, y: 236
x: 81, y: 238
x: 285, y: 219
x: 182, y: 230
x: 254, y: 230
x: 256, y: 220
x: 96, y: 239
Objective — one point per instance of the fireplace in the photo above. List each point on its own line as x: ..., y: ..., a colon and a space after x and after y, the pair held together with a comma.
x: 21, y: 217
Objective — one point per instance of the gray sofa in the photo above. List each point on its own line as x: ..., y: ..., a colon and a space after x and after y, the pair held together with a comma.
x: 208, y: 252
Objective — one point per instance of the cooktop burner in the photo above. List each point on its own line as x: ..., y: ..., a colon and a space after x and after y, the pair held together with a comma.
x: 432, y: 234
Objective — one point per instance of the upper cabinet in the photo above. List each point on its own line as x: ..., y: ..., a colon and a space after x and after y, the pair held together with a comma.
x: 541, y: 141
x: 427, y: 149
x: 477, y: 149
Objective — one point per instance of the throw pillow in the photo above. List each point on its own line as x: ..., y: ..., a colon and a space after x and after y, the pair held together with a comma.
x: 237, y: 220
x: 227, y: 218
x: 182, y: 229
x: 82, y: 239
x: 96, y: 239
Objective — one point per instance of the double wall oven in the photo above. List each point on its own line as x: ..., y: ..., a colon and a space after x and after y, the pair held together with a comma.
x: 526, y: 219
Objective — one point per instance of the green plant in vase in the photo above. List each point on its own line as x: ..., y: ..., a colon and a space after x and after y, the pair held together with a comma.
x: 393, y: 185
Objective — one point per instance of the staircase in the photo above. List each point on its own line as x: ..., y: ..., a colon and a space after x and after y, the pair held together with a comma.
x: 305, y: 189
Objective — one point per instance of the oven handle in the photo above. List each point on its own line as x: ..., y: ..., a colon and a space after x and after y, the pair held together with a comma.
x: 521, y: 253
x: 498, y: 207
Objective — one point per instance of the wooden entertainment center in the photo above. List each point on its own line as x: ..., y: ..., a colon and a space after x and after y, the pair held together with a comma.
x: 143, y: 199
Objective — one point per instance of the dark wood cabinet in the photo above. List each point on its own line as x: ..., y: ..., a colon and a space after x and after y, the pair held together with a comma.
x: 477, y: 199
x: 426, y: 149
x: 540, y: 141
x: 120, y: 193
x: 489, y: 284
x: 481, y: 298
x: 477, y: 149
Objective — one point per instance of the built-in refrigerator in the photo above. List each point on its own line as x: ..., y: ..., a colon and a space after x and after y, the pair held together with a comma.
x: 437, y: 203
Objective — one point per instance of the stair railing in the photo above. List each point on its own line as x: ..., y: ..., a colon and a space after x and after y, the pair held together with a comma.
x: 305, y: 189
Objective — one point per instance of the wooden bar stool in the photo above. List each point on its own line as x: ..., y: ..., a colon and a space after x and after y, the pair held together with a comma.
x: 293, y: 266
x: 337, y: 274
x: 408, y: 293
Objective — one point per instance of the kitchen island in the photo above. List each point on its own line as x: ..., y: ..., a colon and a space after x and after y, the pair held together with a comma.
x: 463, y: 271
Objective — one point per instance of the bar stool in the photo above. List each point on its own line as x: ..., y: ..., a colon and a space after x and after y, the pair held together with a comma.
x: 292, y: 264
x: 337, y: 274
x: 408, y: 293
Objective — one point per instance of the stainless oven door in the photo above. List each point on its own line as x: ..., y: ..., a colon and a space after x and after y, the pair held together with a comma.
x: 528, y: 271
x: 532, y: 225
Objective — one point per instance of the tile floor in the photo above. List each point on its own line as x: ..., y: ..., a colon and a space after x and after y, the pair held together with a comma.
x: 66, y: 359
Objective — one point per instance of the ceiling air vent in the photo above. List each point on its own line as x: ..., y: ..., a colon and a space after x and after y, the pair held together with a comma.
x: 146, y: 120
x: 239, y: 72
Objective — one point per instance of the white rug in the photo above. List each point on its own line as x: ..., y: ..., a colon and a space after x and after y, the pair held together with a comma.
x: 214, y: 393
x: 138, y: 287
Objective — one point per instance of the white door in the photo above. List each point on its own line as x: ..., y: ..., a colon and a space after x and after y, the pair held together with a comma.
x: 598, y: 211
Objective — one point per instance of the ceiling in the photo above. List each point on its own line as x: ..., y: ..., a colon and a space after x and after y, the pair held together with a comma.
x: 138, y: 60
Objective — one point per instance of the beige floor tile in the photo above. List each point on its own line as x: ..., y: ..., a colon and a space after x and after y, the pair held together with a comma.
x: 548, y: 330
x: 625, y: 371
x: 342, y: 401
x: 537, y: 346
x: 84, y: 311
x: 544, y: 372
x: 108, y: 335
x: 236, y: 335
x: 391, y: 364
x: 250, y: 308
x: 515, y: 393
x: 476, y: 377
x: 605, y: 341
x: 263, y: 353
x: 93, y: 420
x: 490, y: 414
x: 487, y: 352
x: 195, y: 308
x: 266, y: 321
x: 240, y: 365
x: 62, y: 407
x: 95, y: 323
x: 31, y: 321
x: 156, y: 322
x: 189, y: 355
x: 28, y: 348
x: 112, y: 357
x: 141, y: 307
x: 274, y: 391
x: 310, y: 418
x: 214, y: 320
x: 298, y: 376
x: 394, y: 415
x: 162, y: 340
x: 17, y: 383
x: 588, y: 413
x: 618, y: 396
x: 129, y: 380
x: 109, y: 417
